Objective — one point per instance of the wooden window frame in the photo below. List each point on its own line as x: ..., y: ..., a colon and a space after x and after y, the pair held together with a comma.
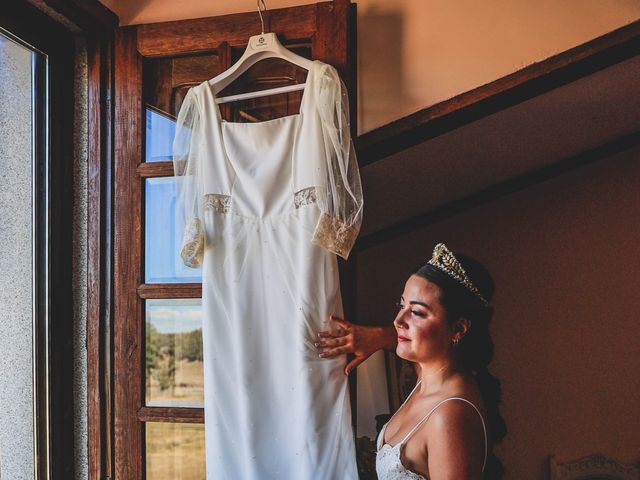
x: 51, y: 197
x: 53, y: 203
x: 329, y: 28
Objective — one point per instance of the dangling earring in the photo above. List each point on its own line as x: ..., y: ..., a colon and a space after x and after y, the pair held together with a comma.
x: 455, y: 341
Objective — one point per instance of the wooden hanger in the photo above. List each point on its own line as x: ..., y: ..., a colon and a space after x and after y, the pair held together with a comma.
x: 265, y: 45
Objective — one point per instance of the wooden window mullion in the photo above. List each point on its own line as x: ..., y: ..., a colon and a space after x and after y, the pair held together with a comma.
x: 128, y: 335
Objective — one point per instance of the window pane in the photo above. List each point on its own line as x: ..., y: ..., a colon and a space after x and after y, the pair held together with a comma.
x: 174, y: 375
x: 161, y: 128
x: 175, y: 451
x: 162, y: 238
x: 16, y: 260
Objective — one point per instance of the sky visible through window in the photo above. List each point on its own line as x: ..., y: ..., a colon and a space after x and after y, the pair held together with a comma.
x: 159, y: 139
x: 175, y: 315
x: 163, y: 235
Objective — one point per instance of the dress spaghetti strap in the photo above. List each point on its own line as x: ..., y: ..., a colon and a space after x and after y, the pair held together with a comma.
x: 426, y: 417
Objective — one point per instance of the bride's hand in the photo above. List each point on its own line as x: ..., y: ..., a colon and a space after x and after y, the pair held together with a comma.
x: 360, y: 340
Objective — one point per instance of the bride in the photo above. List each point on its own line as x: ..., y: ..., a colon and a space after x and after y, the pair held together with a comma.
x: 447, y: 426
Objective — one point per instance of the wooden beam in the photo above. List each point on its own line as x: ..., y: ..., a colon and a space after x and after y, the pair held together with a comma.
x: 128, y: 333
x: 29, y: 23
x: 155, y: 169
x: 497, y: 191
x: 205, y: 34
x: 170, y: 290
x: 99, y: 257
x: 89, y: 15
x: 171, y: 414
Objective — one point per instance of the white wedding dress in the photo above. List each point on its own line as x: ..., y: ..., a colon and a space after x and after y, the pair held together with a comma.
x: 266, y: 207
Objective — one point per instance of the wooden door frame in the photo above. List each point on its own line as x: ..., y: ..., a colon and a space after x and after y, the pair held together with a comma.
x: 330, y: 27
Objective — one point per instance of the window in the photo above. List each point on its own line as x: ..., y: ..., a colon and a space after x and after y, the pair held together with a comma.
x: 36, y: 319
x: 17, y: 109
x: 158, y: 378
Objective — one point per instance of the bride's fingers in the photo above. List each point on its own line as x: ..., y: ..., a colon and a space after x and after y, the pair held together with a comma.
x: 333, y: 352
x: 353, y: 364
x: 332, y: 334
x: 341, y: 323
x: 332, y: 342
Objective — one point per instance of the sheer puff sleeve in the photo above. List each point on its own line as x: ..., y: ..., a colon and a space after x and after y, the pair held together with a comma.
x: 339, y: 195
x: 187, y: 168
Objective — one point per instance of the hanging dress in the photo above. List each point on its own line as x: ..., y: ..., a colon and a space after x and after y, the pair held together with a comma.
x: 266, y: 208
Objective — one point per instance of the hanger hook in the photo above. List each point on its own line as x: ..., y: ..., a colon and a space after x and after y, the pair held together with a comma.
x: 261, y: 7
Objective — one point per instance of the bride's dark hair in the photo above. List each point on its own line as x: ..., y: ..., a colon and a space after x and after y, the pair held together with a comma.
x: 475, y: 349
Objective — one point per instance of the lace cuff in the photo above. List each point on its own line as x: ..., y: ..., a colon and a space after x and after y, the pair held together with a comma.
x: 217, y: 203
x: 192, y: 251
x: 334, y: 235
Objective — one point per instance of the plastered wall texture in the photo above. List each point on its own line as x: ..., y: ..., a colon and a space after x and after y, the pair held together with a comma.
x: 16, y: 411
x: 80, y: 261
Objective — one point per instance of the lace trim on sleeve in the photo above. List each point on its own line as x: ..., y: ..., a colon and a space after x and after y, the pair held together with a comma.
x: 338, y: 186
x: 305, y: 197
x: 334, y: 235
x: 192, y: 252
x: 217, y: 202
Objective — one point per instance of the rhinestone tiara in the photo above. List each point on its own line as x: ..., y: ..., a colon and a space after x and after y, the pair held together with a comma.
x: 444, y: 259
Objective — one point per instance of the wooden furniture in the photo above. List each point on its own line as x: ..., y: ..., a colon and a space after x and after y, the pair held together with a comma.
x: 593, y: 467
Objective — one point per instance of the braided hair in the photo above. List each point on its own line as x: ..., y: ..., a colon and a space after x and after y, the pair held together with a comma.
x: 475, y: 349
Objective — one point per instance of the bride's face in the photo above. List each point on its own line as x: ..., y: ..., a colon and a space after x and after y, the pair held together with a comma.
x: 424, y: 334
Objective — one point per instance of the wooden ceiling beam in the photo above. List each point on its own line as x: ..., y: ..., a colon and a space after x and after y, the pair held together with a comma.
x: 89, y: 15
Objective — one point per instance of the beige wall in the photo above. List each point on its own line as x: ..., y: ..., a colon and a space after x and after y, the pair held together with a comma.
x: 415, y: 53
x: 134, y: 12
x: 565, y: 255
